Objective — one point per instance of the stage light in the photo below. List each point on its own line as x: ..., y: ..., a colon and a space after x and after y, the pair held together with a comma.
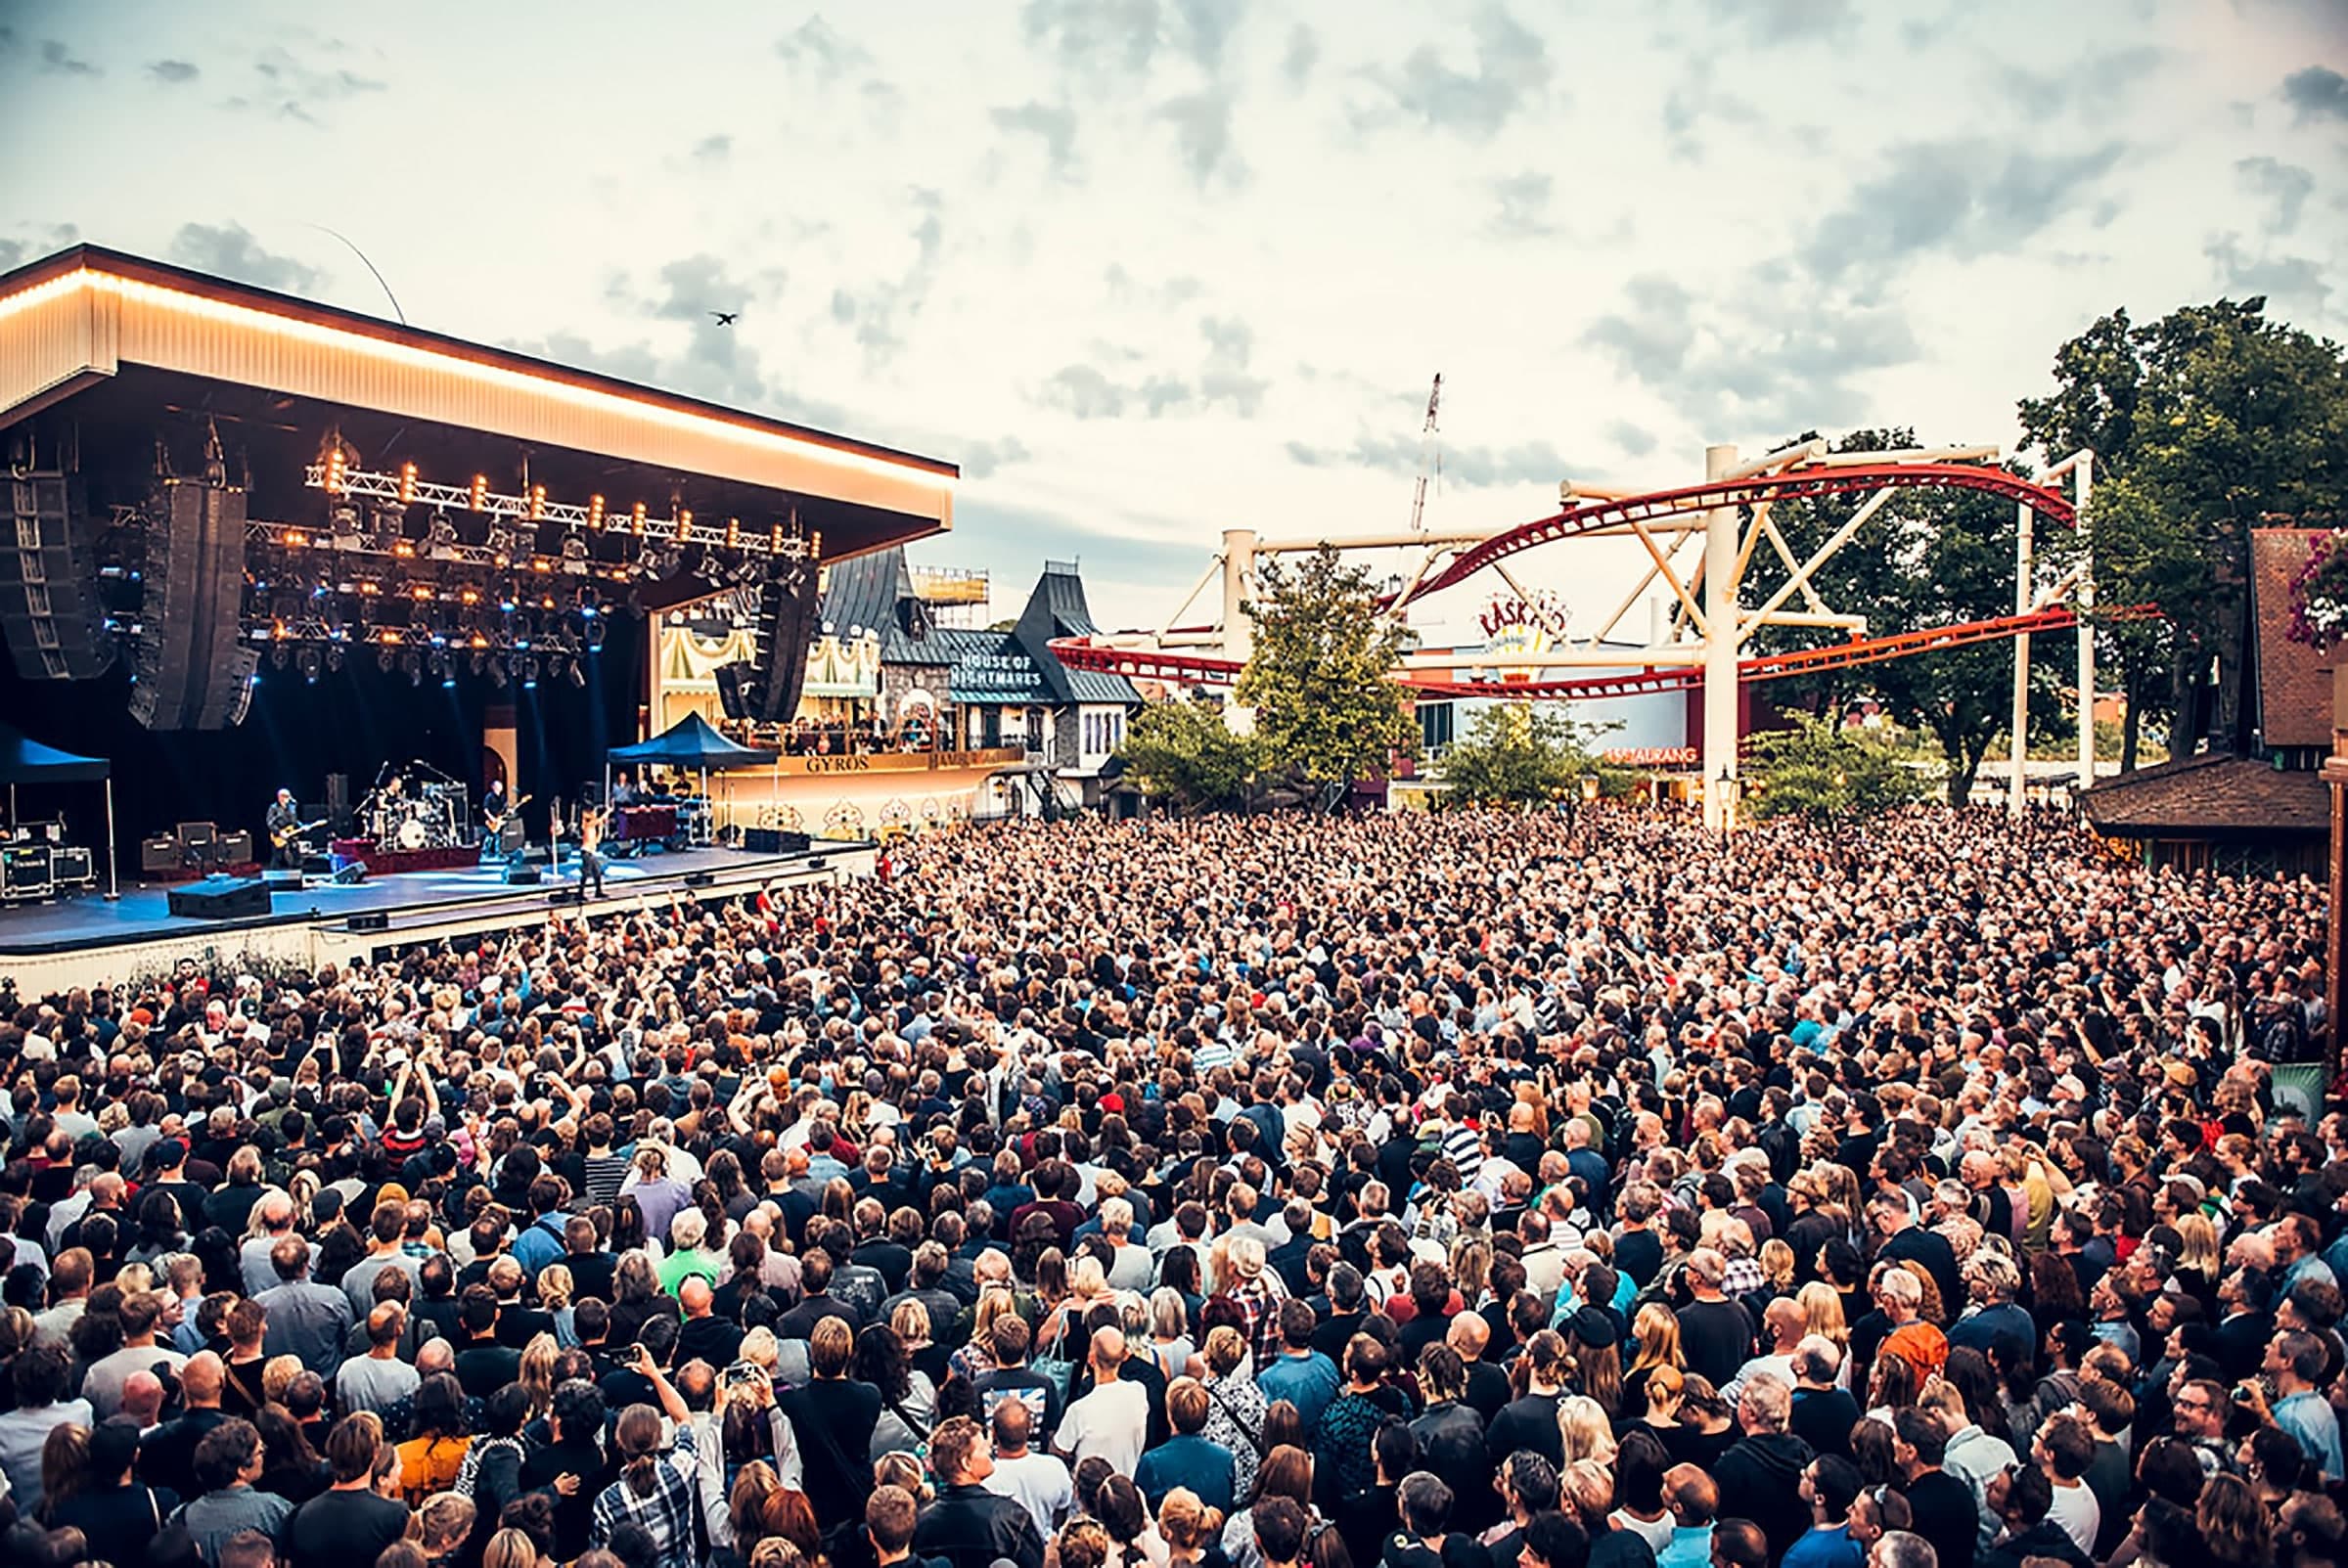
x: 481, y: 492
x: 279, y: 654
x: 411, y: 664
x: 444, y: 669
x: 595, y: 514
x: 498, y: 676
x: 480, y: 661
x: 595, y: 637
x: 308, y: 661
x: 529, y: 673
x: 385, y: 660
x: 441, y: 537
x: 333, y: 660
x: 407, y: 484
x: 635, y: 516
x: 733, y: 533
x: 333, y: 470
x: 578, y: 677
x: 537, y: 502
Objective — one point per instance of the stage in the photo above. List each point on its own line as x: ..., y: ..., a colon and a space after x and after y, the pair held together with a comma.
x: 88, y: 939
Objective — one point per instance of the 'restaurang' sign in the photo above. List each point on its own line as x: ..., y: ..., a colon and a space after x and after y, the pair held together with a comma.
x: 1651, y: 756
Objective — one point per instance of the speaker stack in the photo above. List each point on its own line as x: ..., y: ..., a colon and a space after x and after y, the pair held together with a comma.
x: 193, y: 673
x: 49, y: 607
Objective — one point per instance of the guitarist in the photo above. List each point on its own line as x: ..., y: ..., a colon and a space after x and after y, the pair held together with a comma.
x: 285, y: 824
x: 495, y: 813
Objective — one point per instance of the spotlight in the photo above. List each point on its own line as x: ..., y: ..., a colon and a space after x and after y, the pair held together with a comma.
x: 480, y: 662
x: 595, y: 514
x: 595, y: 635
x: 411, y: 664
x: 333, y: 660
x: 498, y: 676
x: 385, y: 660
x: 481, y: 492
x: 407, y: 484
x: 278, y: 656
x: 333, y: 470
x: 307, y: 660
x: 529, y: 673
x: 578, y: 676
x: 440, y: 541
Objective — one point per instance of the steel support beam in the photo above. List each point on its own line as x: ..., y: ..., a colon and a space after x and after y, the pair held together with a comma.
x: 1721, y: 646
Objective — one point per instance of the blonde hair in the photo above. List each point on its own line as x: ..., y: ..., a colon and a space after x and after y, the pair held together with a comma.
x: 1187, y: 1523
x: 1225, y: 1347
x: 2197, y: 1239
x: 1822, y: 1309
x: 554, y: 1287
x: 537, y: 1374
x: 759, y: 1347
x: 911, y: 1321
x: 276, y: 1373
x: 1659, y: 1335
x: 1584, y: 1430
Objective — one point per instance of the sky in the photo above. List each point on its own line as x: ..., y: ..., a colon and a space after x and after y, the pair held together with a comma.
x: 1151, y: 269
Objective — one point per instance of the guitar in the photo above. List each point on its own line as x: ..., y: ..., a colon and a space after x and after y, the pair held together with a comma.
x: 497, y: 824
x: 281, y: 837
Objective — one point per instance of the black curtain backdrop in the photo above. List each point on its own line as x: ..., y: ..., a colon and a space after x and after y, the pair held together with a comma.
x: 353, y: 722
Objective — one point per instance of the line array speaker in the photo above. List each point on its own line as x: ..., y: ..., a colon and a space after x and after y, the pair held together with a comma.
x: 192, y: 672
x: 49, y: 606
x: 786, y: 624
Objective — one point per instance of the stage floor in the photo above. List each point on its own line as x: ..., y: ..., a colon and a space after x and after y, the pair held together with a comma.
x: 144, y: 914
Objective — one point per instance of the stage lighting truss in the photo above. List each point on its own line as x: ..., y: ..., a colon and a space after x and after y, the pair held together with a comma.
x: 294, y: 537
x: 404, y: 489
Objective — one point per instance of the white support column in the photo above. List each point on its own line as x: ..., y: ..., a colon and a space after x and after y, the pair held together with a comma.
x: 2083, y: 485
x: 2023, y: 518
x: 1723, y: 639
x: 1238, y: 632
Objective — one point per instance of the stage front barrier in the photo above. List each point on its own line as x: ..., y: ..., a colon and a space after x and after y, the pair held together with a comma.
x: 868, y: 794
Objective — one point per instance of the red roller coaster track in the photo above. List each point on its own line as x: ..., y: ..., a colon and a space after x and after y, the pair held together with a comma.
x: 1201, y: 669
x: 1606, y: 516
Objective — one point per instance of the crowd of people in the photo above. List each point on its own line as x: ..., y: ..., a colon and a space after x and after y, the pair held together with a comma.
x: 1466, y: 1191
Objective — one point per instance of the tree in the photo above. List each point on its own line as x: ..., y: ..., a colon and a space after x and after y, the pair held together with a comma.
x: 2203, y: 423
x: 1516, y: 754
x: 1321, y: 682
x: 1186, y: 752
x: 1822, y: 771
x: 1928, y: 557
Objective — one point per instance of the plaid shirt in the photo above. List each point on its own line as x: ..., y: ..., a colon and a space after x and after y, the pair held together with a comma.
x: 1260, y: 1300
x: 667, y: 1514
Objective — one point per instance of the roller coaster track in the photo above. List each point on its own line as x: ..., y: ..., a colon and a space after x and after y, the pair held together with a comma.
x: 1614, y: 516
x: 1201, y: 669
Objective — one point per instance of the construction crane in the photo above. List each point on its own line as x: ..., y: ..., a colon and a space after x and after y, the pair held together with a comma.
x: 1431, y: 455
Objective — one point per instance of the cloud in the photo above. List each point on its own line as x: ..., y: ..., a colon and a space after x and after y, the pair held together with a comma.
x: 817, y: 49
x: 1302, y: 54
x: 1101, y: 40
x: 1769, y: 22
x: 691, y: 287
x: 1960, y: 198
x: 1127, y: 291
x: 2317, y: 93
x: 295, y: 89
x: 1470, y: 468
x: 1767, y: 354
x: 1523, y: 206
x: 1202, y: 122
x: 59, y: 61
x: 2286, y: 185
x: 1512, y: 70
x: 12, y: 254
x: 982, y: 459
x: 712, y: 149
x: 1635, y: 440
x: 1054, y: 125
x: 2295, y: 282
x: 1086, y: 391
x: 2091, y: 89
x: 231, y: 251
x: 881, y: 313
x: 1695, y: 99
x: 172, y: 72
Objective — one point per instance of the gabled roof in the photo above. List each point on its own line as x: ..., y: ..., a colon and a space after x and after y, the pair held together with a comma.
x: 1058, y: 608
x: 872, y: 592
x: 2293, y: 685
x: 2210, y: 796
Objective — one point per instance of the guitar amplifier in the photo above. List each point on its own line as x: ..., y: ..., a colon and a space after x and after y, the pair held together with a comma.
x: 159, y: 854
x: 72, y: 865
x: 233, y: 849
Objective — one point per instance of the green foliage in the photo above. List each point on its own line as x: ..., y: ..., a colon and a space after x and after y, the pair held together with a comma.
x: 1185, y: 752
x: 1517, y: 755
x: 1928, y: 557
x: 1326, y: 705
x: 2202, y: 423
x: 1822, y: 771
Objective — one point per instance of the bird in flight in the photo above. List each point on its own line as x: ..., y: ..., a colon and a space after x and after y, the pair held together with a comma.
x: 725, y: 317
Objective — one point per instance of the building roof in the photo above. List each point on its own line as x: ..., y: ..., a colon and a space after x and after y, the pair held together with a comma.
x: 1058, y: 608
x: 117, y: 335
x: 2210, y: 796
x: 876, y: 592
x: 2293, y: 680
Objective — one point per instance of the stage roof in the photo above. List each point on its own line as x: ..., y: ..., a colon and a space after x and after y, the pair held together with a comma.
x: 119, y: 343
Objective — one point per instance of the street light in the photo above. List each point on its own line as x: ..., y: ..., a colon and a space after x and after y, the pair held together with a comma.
x: 1728, y: 801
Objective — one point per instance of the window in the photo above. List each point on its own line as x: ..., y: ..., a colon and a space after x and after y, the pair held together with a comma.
x: 1435, y: 725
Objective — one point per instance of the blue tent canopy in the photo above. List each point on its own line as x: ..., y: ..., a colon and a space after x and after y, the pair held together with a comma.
x: 24, y: 761
x: 691, y: 742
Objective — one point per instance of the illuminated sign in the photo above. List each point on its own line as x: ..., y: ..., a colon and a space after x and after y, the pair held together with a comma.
x: 1651, y: 756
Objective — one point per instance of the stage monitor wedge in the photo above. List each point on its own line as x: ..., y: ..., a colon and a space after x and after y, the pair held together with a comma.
x: 50, y: 610
x: 222, y: 897
x: 192, y: 673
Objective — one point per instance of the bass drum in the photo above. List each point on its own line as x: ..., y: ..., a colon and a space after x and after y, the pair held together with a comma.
x: 411, y: 835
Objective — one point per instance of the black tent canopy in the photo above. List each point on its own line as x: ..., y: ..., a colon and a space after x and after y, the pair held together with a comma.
x: 691, y: 742
x: 25, y: 760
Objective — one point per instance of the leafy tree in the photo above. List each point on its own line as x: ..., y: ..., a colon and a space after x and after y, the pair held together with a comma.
x: 1326, y: 707
x: 1516, y: 754
x: 1928, y: 557
x: 1823, y: 771
x: 1186, y: 752
x: 2203, y: 423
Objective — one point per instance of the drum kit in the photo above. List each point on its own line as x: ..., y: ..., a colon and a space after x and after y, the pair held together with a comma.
x: 431, y: 816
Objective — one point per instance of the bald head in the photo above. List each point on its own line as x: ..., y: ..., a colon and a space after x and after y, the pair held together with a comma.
x: 1108, y: 1349
x: 435, y: 1356
x: 695, y: 1296
x: 201, y: 1380
x: 143, y: 1397
x: 1468, y: 1335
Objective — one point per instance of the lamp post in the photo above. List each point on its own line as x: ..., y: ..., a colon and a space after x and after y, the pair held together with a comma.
x: 1728, y: 800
